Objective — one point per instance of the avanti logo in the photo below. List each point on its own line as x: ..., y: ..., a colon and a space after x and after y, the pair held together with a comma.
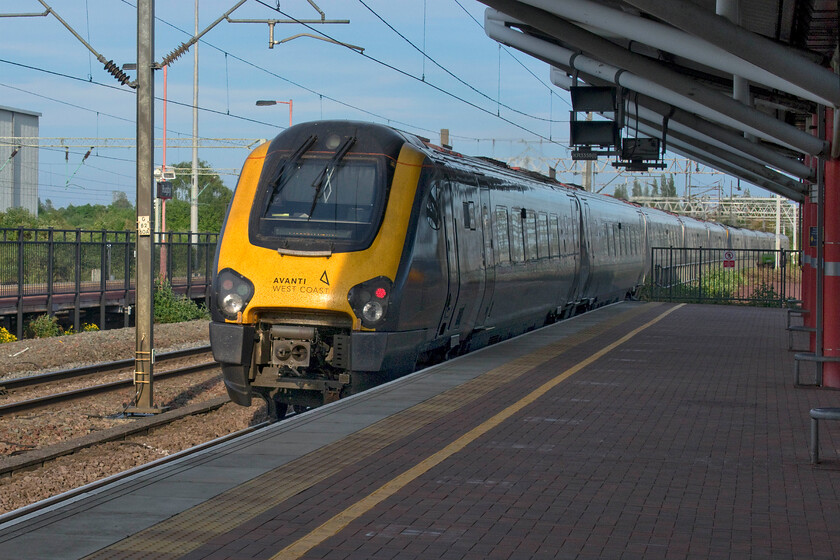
x: 287, y: 280
x: 325, y: 279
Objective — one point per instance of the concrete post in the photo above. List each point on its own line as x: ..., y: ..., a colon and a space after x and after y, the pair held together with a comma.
x: 144, y: 394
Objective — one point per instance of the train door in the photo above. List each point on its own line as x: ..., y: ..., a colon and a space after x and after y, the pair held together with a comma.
x: 467, y: 221
x: 447, y: 204
x: 580, y: 220
x: 489, y: 257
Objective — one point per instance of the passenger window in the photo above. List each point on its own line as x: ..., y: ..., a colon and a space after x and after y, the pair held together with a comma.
x: 502, y: 235
x: 531, y: 234
x: 553, y: 236
x: 469, y: 215
x: 516, y: 253
x: 625, y: 237
x: 542, y: 235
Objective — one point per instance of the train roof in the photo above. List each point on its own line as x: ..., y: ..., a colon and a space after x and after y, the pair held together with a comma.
x: 494, y: 167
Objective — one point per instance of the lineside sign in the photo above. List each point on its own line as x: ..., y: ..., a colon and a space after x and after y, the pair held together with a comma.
x: 729, y: 259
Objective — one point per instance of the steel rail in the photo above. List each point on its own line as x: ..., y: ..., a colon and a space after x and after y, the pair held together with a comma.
x: 17, y: 383
x: 39, y: 402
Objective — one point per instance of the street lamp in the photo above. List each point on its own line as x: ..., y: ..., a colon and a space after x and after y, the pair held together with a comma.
x: 267, y: 102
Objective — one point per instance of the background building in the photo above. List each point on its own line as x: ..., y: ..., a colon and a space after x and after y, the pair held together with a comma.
x: 18, y: 174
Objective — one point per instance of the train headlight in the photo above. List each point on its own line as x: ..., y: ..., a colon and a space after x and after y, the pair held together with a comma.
x: 233, y: 292
x: 232, y: 304
x: 370, y: 300
x: 373, y: 312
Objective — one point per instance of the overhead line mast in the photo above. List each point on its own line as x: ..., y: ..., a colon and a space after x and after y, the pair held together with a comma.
x: 144, y: 322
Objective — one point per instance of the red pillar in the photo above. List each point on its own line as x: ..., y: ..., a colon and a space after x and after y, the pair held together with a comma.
x: 809, y: 277
x: 831, y: 283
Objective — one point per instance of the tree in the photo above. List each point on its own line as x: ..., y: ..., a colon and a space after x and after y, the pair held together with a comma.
x: 120, y: 200
x: 621, y: 192
x: 213, y: 199
x: 669, y: 188
x: 654, y: 188
x: 637, y: 189
x: 17, y: 217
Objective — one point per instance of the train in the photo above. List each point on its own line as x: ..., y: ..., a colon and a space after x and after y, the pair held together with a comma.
x: 353, y: 253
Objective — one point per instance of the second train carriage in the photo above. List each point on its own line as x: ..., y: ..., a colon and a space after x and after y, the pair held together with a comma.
x: 352, y: 252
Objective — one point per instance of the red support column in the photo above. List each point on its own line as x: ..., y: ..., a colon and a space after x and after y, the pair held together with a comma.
x: 831, y: 251
x: 809, y: 277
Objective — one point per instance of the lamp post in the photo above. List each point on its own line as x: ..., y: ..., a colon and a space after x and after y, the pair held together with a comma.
x: 267, y: 102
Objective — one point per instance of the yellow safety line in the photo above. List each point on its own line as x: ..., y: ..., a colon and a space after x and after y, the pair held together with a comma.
x: 334, y: 525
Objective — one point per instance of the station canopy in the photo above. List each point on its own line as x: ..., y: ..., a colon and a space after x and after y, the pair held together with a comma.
x: 733, y: 85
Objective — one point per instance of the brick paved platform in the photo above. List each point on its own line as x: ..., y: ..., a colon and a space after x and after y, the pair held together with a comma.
x: 638, y: 431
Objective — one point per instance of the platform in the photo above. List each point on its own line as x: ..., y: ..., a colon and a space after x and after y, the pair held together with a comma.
x: 635, y: 431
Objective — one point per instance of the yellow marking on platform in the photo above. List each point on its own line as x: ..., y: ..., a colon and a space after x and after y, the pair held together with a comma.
x: 334, y: 525
x: 190, y: 529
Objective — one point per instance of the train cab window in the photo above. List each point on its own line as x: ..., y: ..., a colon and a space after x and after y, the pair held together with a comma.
x: 554, y: 236
x: 502, y: 235
x: 530, y: 223
x: 334, y: 202
x: 516, y: 250
x: 542, y: 235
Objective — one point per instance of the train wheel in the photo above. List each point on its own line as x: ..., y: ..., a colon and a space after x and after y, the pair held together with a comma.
x: 275, y: 409
x: 281, y: 409
x: 300, y: 408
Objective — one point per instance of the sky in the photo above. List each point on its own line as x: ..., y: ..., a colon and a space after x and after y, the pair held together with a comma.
x: 495, y: 101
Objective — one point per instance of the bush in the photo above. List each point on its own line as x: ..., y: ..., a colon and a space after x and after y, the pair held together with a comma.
x: 173, y: 308
x: 764, y: 295
x: 43, y: 326
x: 6, y: 336
x: 86, y: 327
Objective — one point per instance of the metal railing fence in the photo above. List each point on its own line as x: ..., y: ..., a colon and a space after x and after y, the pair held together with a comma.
x: 96, y: 265
x: 757, y: 277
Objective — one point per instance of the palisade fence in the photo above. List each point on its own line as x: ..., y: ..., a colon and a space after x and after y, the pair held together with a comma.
x: 757, y: 277
x: 76, y: 269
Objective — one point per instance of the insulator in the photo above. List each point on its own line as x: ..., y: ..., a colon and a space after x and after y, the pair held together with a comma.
x: 174, y: 55
x: 115, y: 71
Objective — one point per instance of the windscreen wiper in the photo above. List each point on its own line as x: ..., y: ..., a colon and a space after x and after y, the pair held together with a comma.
x: 325, y: 175
x: 282, y: 177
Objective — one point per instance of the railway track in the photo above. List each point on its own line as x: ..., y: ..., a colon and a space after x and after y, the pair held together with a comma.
x: 12, y: 386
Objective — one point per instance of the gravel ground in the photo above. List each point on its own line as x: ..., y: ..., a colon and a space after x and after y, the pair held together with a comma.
x: 32, y: 356
x: 41, y: 355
